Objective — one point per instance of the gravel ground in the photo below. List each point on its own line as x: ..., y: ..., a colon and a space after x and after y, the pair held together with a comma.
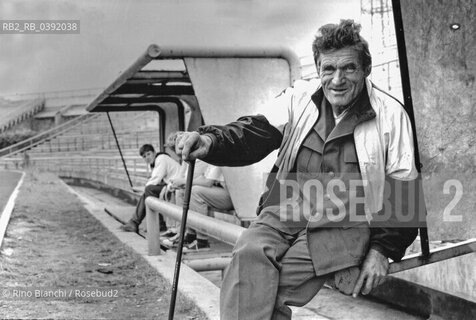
x: 55, y: 249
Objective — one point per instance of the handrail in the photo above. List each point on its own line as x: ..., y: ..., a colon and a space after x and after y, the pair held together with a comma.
x: 215, y: 228
x: 221, y: 230
x: 41, y: 137
x: 229, y: 233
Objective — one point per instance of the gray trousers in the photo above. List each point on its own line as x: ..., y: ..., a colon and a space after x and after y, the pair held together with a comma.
x: 203, y: 197
x: 270, y: 270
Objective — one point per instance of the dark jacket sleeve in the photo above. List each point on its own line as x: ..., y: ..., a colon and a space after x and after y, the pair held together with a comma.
x: 243, y: 142
x: 396, y: 226
x: 392, y: 242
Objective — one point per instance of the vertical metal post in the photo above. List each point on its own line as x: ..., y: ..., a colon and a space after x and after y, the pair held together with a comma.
x: 119, y: 148
x: 408, y: 103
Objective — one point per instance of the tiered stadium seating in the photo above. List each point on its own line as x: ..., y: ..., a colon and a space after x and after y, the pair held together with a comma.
x: 14, y: 112
x: 87, y: 149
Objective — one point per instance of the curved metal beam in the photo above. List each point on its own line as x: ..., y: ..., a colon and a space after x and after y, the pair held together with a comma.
x: 178, y: 52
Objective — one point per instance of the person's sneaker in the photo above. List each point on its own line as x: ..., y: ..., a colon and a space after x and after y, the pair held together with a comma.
x: 197, y: 245
x: 171, y: 242
x: 130, y: 226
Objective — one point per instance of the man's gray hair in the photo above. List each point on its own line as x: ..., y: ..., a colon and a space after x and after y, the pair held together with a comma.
x: 346, y: 34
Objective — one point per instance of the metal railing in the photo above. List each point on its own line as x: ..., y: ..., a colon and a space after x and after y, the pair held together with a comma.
x: 42, y: 137
x: 229, y: 233
x: 221, y: 230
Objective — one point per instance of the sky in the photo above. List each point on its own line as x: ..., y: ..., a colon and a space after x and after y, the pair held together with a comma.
x: 115, y: 32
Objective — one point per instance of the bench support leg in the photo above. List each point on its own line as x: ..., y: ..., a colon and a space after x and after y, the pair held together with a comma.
x: 153, y: 232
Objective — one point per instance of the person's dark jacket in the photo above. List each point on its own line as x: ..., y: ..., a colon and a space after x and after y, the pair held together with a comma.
x: 251, y: 138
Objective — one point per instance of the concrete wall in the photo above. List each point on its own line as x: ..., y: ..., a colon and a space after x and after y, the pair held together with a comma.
x: 442, y: 65
x: 227, y: 89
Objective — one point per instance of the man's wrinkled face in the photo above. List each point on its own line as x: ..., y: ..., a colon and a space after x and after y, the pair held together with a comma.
x: 342, y: 76
x: 149, y: 157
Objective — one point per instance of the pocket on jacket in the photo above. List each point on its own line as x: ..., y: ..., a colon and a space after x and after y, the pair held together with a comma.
x: 356, y: 239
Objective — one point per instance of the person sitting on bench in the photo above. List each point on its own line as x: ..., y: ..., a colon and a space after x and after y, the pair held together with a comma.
x: 174, y: 190
x: 163, y: 167
x: 208, y: 191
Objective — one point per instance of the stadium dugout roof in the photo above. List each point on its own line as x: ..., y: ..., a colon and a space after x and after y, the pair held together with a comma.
x: 217, y: 85
x: 146, y: 83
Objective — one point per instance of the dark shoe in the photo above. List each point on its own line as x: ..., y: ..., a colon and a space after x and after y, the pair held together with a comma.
x: 167, y: 234
x: 163, y: 228
x: 131, y: 226
x: 197, y: 245
x: 189, y: 238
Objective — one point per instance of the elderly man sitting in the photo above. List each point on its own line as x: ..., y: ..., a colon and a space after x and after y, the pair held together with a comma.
x: 344, y: 143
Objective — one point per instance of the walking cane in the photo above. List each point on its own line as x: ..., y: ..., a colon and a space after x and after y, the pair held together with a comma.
x: 178, y: 261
